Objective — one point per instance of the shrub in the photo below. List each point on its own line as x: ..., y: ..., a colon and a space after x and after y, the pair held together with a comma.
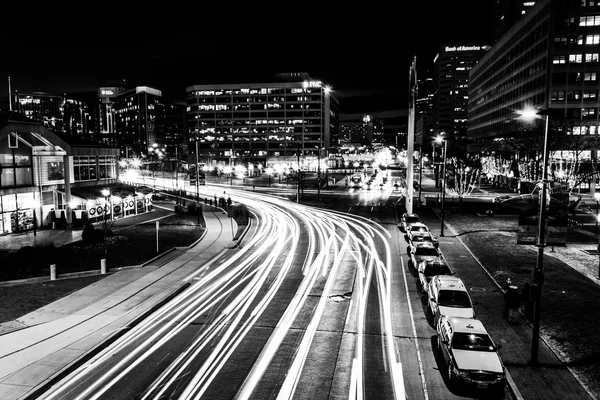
x: 240, y: 213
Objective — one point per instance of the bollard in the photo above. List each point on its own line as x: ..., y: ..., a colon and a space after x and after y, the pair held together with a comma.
x: 52, y: 272
x: 103, y: 266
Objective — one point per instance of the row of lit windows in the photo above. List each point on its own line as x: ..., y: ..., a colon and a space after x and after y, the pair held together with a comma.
x: 576, y: 58
x: 246, y: 107
x: 244, y: 91
x: 574, y: 95
x: 590, y: 20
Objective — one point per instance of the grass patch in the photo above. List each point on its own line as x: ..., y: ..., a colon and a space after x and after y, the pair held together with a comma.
x: 130, y: 246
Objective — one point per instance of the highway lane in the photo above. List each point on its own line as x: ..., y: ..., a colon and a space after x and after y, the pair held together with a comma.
x: 305, y: 296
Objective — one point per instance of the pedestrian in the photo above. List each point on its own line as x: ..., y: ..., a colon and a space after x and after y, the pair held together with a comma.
x: 228, y: 201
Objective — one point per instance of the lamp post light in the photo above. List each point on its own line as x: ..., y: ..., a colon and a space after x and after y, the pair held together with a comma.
x: 597, y: 198
x: 229, y: 171
x: 538, y: 273
x: 269, y: 172
x: 442, y: 139
x: 105, y: 193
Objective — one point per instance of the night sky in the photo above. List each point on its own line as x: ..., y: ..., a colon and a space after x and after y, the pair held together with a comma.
x: 363, y: 50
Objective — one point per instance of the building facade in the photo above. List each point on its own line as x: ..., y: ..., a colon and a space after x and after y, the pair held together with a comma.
x: 251, y: 122
x: 39, y: 170
x: 507, y: 13
x: 549, y: 61
x: 452, y: 65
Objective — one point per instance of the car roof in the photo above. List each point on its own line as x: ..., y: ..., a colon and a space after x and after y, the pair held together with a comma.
x: 424, y: 243
x: 466, y: 325
x: 406, y: 215
x: 437, y: 261
x: 450, y: 282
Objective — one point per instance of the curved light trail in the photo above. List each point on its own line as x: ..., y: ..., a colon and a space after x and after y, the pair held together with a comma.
x: 236, y: 292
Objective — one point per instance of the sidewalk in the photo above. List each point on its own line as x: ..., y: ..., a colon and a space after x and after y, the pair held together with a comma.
x: 63, y: 334
x: 552, y: 379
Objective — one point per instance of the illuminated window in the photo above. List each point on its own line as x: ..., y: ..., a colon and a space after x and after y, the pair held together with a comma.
x: 588, y: 112
x: 592, y: 39
x: 590, y: 20
x: 589, y: 76
x: 559, y: 59
x: 575, y: 58
x: 591, y: 57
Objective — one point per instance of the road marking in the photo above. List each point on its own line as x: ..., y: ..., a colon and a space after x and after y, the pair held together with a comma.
x: 414, y: 329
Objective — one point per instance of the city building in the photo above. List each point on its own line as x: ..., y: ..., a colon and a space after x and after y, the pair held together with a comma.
x: 549, y: 60
x: 146, y: 125
x: 507, y: 13
x: 249, y: 123
x: 41, y: 107
x: 452, y: 65
x: 46, y: 180
x: 424, y: 126
x: 107, y: 125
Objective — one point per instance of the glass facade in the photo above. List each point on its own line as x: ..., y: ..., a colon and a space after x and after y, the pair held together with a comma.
x: 17, y: 168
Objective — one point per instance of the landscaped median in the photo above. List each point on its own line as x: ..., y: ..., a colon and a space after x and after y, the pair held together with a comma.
x: 569, y: 308
x: 129, y: 246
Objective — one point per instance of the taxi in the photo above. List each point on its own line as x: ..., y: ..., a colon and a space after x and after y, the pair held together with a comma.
x: 448, y: 296
x: 470, y: 354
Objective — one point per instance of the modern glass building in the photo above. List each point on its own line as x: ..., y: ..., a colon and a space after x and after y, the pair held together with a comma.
x: 249, y: 123
x: 452, y: 65
x: 549, y: 60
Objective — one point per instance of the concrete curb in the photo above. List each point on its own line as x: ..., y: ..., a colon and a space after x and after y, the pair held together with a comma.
x: 59, y: 375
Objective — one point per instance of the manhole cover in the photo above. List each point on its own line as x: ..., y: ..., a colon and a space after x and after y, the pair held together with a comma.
x: 477, y: 289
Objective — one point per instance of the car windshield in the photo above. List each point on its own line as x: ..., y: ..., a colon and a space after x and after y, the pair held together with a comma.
x: 472, y: 341
x: 411, y: 220
x: 454, y: 298
x: 437, y: 269
x: 426, y: 251
x: 418, y: 229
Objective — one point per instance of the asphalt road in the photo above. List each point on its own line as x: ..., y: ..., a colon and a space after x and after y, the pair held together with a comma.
x: 312, y: 304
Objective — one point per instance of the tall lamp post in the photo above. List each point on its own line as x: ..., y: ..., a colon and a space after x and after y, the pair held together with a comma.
x: 269, y: 172
x: 105, y: 193
x: 597, y: 198
x: 439, y: 140
x: 538, y: 273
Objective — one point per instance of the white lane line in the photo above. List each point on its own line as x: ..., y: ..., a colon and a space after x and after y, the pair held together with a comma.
x: 414, y: 329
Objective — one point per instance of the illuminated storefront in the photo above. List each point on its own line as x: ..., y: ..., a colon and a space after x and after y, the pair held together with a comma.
x: 38, y: 170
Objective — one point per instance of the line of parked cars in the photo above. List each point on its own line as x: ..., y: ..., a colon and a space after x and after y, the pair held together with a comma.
x: 470, y: 353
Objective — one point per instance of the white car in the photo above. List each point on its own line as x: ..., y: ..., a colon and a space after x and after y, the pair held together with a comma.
x: 470, y: 354
x: 430, y: 268
x: 448, y: 296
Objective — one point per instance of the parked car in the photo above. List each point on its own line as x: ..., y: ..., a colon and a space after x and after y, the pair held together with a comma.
x: 430, y: 268
x: 448, y: 297
x: 408, y: 219
x: 419, y: 232
x: 470, y: 354
x: 422, y: 251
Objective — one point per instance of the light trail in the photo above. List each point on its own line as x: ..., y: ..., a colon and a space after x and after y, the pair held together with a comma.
x: 236, y: 292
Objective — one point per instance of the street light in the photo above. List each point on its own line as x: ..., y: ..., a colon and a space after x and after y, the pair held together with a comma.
x: 529, y: 114
x: 439, y: 140
x: 597, y: 198
x: 269, y: 171
x: 105, y: 193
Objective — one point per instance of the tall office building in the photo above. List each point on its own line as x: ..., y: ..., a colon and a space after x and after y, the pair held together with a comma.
x: 507, y: 13
x: 549, y: 60
x: 146, y: 125
x: 251, y: 122
x: 107, y: 125
x: 452, y: 65
x: 73, y: 115
x: 44, y: 108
